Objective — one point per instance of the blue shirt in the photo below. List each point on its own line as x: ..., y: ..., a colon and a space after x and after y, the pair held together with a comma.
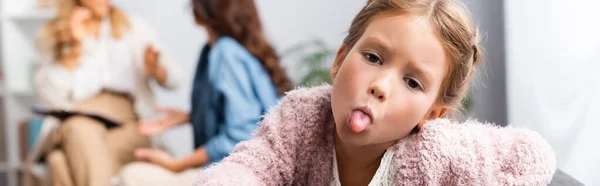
x: 231, y: 92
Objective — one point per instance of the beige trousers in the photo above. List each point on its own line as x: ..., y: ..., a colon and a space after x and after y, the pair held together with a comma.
x: 147, y: 174
x: 86, y: 153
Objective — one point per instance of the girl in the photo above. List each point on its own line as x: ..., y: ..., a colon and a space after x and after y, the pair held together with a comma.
x: 96, y: 58
x: 237, y: 79
x: 402, y: 67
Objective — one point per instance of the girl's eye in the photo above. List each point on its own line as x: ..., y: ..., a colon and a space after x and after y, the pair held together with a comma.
x: 373, y: 58
x: 412, y: 83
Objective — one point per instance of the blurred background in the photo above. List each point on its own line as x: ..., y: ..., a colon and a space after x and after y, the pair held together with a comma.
x: 541, y: 70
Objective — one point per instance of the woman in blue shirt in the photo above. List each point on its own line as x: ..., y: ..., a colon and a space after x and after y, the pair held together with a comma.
x: 238, y: 78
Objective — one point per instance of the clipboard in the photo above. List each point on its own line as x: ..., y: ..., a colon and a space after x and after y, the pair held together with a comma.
x: 63, y: 115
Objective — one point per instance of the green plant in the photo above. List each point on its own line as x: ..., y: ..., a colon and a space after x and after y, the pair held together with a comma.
x: 314, y: 62
x: 467, y: 102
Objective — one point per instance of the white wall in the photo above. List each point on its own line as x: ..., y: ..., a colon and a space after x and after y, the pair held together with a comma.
x: 489, y: 85
x: 553, y: 54
x: 286, y: 22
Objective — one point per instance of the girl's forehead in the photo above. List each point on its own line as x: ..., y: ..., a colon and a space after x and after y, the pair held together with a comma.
x: 409, y: 39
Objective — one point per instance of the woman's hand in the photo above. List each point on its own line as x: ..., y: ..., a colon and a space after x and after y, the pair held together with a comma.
x: 78, y: 32
x: 160, y: 158
x: 151, y: 60
x: 78, y: 18
x: 152, y: 67
x: 154, y: 126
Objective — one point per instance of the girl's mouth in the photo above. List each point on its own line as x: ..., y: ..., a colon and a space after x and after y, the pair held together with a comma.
x: 360, y: 119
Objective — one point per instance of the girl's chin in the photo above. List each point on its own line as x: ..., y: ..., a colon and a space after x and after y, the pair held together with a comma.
x: 349, y: 137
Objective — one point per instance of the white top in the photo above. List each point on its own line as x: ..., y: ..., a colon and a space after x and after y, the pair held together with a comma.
x: 382, y: 176
x: 105, y: 63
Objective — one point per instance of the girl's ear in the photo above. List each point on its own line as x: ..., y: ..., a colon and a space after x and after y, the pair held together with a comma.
x: 435, y: 113
x: 339, y: 58
x: 442, y: 112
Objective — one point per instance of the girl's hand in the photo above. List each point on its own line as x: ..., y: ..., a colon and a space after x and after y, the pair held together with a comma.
x: 158, y: 157
x: 154, y: 126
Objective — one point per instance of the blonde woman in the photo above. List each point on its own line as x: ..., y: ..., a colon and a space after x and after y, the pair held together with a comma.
x: 96, y: 58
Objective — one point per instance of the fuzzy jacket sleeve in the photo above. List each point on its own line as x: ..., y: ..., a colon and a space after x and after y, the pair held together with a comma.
x: 270, y: 157
x: 471, y: 153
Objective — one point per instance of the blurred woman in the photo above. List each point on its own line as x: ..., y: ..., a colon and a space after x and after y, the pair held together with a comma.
x: 98, y: 59
x: 238, y: 78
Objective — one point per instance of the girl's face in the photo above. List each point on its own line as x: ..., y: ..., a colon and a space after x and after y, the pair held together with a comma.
x: 100, y: 8
x: 388, y: 82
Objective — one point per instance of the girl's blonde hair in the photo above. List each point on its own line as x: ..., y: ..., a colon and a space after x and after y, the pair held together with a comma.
x: 452, y: 25
x: 57, y: 35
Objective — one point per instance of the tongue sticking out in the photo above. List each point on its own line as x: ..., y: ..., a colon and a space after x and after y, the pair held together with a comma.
x: 359, y: 121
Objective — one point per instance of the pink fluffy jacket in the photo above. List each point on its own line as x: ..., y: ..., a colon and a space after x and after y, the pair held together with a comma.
x: 294, y: 143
